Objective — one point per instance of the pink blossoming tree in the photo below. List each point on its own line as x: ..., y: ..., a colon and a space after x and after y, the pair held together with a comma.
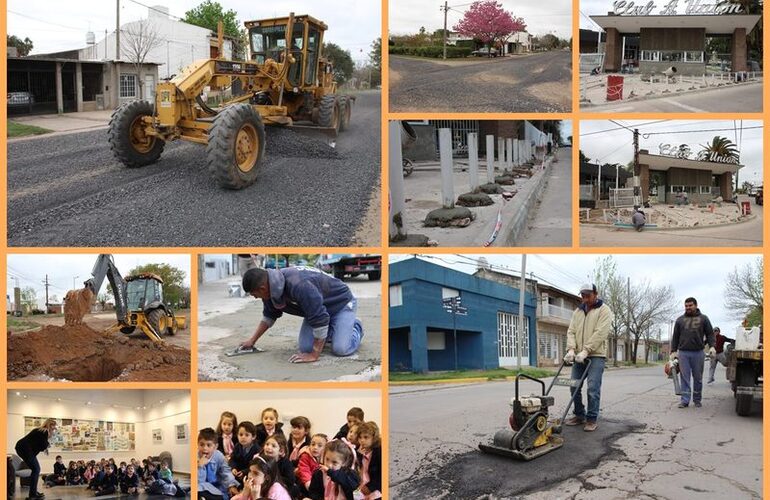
x: 487, y: 21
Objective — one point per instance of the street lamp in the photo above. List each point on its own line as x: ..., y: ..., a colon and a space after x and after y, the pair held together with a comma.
x: 453, y: 305
x: 74, y: 286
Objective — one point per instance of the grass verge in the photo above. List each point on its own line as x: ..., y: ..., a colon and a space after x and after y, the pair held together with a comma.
x: 22, y: 130
x: 18, y: 324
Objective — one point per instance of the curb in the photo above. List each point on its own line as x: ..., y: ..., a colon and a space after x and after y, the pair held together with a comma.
x: 514, y: 227
x: 657, y: 229
x: 56, y: 133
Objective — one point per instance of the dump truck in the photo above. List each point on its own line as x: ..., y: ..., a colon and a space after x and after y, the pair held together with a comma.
x: 138, y: 301
x: 351, y: 265
x: 744, y: 368
x: 285, y: 82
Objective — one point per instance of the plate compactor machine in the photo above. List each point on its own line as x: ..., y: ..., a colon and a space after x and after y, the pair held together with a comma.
x: 286, y: 82
x: 531, y: 434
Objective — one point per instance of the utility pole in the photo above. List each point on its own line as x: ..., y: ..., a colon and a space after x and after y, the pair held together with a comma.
x: 117, y: 30
x: 446, y: 11
x: 46, y: 293
x: 628, y: 309
x: 520, y: 326
x: 636, y: 153
x: 638, y: 198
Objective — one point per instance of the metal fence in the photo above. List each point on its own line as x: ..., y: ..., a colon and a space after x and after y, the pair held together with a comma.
x: 621, y: 197
x: 460, y: 131
x: 590, y: 62
x: 586, y: 192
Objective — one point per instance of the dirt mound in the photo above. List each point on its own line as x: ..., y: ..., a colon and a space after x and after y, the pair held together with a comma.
x: 81, y: 354
x: 77, y: 303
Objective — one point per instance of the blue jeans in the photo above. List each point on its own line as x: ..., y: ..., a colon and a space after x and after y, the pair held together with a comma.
x: 594, y: 379
x: 691, y: 364
x: 345, y: 332
x: 30, y: 459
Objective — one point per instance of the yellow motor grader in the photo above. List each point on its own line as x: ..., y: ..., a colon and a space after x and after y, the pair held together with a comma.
x: 287, y: 82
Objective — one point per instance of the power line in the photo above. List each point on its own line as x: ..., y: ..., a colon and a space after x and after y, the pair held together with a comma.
x: 46, y: 22
x: 648, y: 134
x: 621, y: 127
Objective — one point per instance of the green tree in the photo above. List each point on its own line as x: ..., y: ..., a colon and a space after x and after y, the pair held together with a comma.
x: 583, y: 157
x: 28, y: 298
x: 612, y: 289
x: 343, y: 63
x: 722, y: 146
x: 173, y: 280
x: 744, y: 292
x: 208, y: 14
x: 375, y: 55
x: 23, y: 47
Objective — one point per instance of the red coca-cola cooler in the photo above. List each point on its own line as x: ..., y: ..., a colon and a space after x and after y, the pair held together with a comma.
x: 614, y: 88
x: 746, y: 207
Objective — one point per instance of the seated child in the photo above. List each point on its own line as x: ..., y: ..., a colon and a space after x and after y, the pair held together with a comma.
x: 336, y: 476
x: 355, y: 416
x: 129, y: 483
x: 275, y: 449
x: 370, y: 460
x: 109, y: 483
x: 269, y: 426
x: 228, y: 422
x: 165, y: 473
x: 309, y: 461
x: 151, y: 474
x: 244, y: 451
x: 88, y: 474
x: 137, y: 468
x: 298, y: 438
x: 215, y: 480
x: 96, y: 481
x: 263, y: 481
x: 59, y: 476
x: 73, y: 474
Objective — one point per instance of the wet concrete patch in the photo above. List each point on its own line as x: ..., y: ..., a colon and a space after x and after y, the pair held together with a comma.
x: 478, y: 475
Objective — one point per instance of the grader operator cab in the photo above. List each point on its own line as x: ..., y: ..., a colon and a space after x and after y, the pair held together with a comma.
x: 138, y: 300
x: 286, y: 81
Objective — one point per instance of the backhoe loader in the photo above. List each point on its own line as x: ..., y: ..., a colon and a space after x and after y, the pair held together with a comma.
x: 286, y: 82
x: 138, y: 301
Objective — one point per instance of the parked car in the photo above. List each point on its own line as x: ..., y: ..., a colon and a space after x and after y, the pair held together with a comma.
x: 20, y: 99
x: 484, y: 52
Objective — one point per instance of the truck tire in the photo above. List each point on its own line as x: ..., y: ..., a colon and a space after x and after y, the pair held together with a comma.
x: 128, y: 142
x: 346, y: 106
x: 374, y: 275
x: 744, y: 378
x: 236, y: 146
x: 127, y: 330
x: 156, y: 319
x: 338, y: 274
x: 329, y: 112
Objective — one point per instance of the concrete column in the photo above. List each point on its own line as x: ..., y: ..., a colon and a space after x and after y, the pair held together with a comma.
x: 739, y: 50
x: 445, y: 157
x: 395, y: 178
x: 644, y: 181
x: 59, y: 93
x: 726, y: 186
x: 613, y: 56
x: 515, y: 145
x: 473, y: 159
x: 501, y: 152
x: 79, y: 87
x: 509, y: 148
x: 490, y: 159
x: 520, y: 148
x: 419, y: 340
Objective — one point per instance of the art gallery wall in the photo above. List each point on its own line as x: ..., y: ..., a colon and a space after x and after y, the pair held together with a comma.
x: 140, y: 407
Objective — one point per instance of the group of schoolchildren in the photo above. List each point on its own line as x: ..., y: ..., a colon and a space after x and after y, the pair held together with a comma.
x: 243, y: 461
x: 105, y: 477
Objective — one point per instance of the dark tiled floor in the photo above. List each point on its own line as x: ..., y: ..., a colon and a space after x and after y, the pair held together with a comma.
x: 80, y: 492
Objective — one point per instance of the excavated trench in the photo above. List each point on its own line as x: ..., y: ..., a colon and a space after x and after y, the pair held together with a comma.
x: 80, y: 354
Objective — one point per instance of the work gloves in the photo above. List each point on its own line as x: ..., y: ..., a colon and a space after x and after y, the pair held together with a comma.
x: 674, y: 355
x: 580, y: 358
x: 569, y: 358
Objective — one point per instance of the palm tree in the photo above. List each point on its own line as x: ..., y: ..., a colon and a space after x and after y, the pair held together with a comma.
x: 722, y: 146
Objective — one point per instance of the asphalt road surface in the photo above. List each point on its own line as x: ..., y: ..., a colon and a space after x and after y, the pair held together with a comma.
x: 744, y: 234
x: 645, y: 446
x: 68, y: 190
x: 534, y: 83
x: 747, y: 99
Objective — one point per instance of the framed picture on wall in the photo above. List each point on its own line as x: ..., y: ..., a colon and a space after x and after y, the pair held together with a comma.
x: 181, y: 433
x: 157, y: 436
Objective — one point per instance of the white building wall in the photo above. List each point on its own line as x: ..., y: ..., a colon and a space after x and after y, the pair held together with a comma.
x: 181, y: 44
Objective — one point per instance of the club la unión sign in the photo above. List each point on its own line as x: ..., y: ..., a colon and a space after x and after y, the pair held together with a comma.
x: 683, y: 151
x: 692, y: 7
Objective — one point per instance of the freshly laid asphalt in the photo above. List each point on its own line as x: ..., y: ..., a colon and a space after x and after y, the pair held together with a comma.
x: 69, y: 190
x: 533, y: 83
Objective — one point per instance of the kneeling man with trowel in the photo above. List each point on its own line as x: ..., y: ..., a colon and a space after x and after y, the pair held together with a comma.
x: 326, y: 303
x: 587, y: 332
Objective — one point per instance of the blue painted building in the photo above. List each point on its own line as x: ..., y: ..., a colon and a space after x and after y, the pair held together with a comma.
x: 422, y: 333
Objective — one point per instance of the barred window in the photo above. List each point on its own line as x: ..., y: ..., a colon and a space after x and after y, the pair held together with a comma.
x: 127, y: 85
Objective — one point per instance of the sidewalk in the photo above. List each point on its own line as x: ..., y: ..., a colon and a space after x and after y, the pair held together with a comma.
x: 551, y: 223
x: 67, y: 122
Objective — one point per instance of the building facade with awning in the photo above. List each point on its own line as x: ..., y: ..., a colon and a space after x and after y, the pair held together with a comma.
x: 663, y: 177
x: 657, y: 37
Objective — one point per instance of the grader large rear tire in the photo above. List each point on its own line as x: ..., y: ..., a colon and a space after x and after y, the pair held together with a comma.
x: 236, y: 146
x: 329, y: 112
x: 130, y: 145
